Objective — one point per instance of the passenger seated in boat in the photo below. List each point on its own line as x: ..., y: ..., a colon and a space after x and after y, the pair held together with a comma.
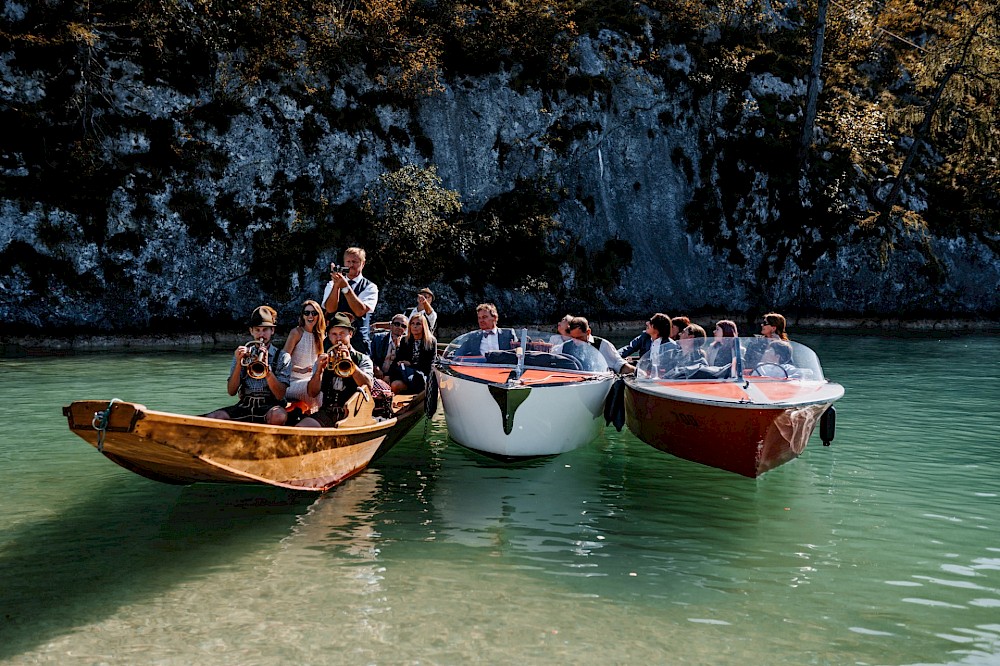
x: 304, y: 344
x: 689, y: 358
x: 657, y: 334
x: 720, y: 352
x: 414, y: 359
x: 579, y: 330
x: 562, y: 326
x: 489, y: 337
x: 678, y: 324
x: 777, y: 362
x: 772, y: 327
x: 260, y: 374
x: 385, y: 346
x: 327, y: 374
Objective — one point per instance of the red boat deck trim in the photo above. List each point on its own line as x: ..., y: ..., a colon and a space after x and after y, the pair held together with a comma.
x: 499, y: 374
x: 766, y: 393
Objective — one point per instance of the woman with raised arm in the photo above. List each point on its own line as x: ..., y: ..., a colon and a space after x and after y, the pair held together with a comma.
x: 305, y: 344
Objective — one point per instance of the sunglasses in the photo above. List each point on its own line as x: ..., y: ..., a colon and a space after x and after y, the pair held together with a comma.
x: 766, y: 323
x: 309, y: 313
x: 398, y: 324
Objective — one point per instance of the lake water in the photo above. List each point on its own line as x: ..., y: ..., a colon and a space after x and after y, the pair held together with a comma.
x: 881, y: 549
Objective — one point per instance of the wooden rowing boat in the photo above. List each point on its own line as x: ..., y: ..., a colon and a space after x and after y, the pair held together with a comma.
x: 181, y: 449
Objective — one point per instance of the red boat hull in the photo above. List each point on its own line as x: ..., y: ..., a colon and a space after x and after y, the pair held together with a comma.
x: 745, y: 439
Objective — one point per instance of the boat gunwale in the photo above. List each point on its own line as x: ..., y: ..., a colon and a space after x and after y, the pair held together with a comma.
x: 659, y: 390
x: 447, y: 367
x: 143, y: 413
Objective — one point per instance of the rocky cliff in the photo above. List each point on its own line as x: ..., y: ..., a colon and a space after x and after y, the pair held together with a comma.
x: 181, y: 232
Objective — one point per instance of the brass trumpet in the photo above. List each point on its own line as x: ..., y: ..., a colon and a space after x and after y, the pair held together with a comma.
x: 256, y: 359
x: 341, y: 363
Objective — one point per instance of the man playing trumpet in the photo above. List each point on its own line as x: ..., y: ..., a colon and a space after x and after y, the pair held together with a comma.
x: 260, y: 373
x: 339, y: 374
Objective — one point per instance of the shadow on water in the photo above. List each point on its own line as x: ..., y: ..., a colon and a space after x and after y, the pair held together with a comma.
x: 126, y: 542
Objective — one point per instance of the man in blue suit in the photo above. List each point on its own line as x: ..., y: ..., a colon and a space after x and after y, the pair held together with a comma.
x: 489, y: 337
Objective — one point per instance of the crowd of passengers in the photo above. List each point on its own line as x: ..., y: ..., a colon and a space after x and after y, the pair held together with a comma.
x: 674, y: 347
x: 334, y: 350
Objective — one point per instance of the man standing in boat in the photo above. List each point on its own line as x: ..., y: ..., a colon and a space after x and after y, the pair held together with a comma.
x: 579, y: 330
x: 329, y: 374
x: 351, y: 292
x: 260, y: 373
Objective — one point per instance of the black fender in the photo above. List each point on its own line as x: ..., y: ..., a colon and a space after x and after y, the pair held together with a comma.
x: 828, y: 425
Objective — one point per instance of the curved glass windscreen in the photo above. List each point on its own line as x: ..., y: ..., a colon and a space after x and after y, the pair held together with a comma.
x: 541, y: 350
x: 728, y: 358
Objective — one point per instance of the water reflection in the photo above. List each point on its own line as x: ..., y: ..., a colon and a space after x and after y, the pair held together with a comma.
x: 119, y: 543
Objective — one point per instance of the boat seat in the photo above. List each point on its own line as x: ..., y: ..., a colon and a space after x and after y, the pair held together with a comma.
x: 698, y: 371
x: 535, y: 359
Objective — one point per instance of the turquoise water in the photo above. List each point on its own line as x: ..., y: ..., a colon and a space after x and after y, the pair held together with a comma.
x: 881, y: 549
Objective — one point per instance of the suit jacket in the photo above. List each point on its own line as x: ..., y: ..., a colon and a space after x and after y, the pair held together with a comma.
x: 471, y: 345
x: 380, y: 347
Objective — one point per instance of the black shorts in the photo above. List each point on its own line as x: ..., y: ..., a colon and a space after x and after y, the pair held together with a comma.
x: 328, y: 418
x: 251, y: 409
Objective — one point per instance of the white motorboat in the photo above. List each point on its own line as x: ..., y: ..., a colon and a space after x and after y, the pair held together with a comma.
x: 542, y: 401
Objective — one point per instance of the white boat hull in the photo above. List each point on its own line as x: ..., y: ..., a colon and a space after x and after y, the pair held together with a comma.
x: 552, y: 419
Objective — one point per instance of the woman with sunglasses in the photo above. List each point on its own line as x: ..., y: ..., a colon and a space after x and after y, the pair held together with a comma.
x: 305, y: 344
x: 416, y: 354
x: 772, y: 326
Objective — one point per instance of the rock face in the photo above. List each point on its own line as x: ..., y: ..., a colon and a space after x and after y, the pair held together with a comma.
x: 628, y: 149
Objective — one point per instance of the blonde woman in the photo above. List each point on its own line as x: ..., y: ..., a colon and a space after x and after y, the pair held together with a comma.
x: 305, y: 344
x: 415, y: 357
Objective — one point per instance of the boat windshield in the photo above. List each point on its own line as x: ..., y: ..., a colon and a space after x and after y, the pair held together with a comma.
x: 542, y: 350
x: 723, y: 359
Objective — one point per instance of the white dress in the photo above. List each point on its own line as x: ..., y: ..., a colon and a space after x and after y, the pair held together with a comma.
x: 303, y: 359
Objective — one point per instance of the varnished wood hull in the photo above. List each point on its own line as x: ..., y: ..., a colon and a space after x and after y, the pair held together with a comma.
x: 180, y: 449
x: 746, y: 433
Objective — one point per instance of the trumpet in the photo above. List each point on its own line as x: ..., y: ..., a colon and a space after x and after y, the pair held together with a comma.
x: 341, y: 363
x: 255, y: 360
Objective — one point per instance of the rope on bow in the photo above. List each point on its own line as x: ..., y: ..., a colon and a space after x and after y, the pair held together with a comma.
x: 100, y: 423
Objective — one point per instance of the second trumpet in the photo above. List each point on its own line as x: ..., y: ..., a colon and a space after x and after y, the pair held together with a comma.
x: 256, y: 359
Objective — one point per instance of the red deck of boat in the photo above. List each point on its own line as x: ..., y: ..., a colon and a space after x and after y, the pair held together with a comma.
x: 499, y: 375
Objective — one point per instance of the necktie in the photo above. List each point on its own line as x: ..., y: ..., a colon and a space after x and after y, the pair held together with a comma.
x: 389, y: 357
x: 489, y: 333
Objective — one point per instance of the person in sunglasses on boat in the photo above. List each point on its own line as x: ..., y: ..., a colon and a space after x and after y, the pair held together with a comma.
x: 385, y: 345
x: 579, y: 330
x: 262, y: 399
x: 337, y: 390
x: 304, y: 344
x: 772, y: 327
x: 489, y: 337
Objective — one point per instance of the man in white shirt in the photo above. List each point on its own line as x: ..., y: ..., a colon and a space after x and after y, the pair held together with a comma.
x: 354, y: 294
x: 579, y: 329
x: 425, y: 298
x: 489, y: 337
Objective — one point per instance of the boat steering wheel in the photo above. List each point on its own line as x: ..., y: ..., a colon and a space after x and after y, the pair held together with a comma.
x: 763, y: 365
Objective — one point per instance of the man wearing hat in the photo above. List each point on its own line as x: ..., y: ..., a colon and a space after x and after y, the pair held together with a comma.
x: 425, y: 300
x: 337, y: 390
x: 262, y: 400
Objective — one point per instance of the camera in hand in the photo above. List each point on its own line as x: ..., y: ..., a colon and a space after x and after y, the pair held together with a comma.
x: 334, y: 268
